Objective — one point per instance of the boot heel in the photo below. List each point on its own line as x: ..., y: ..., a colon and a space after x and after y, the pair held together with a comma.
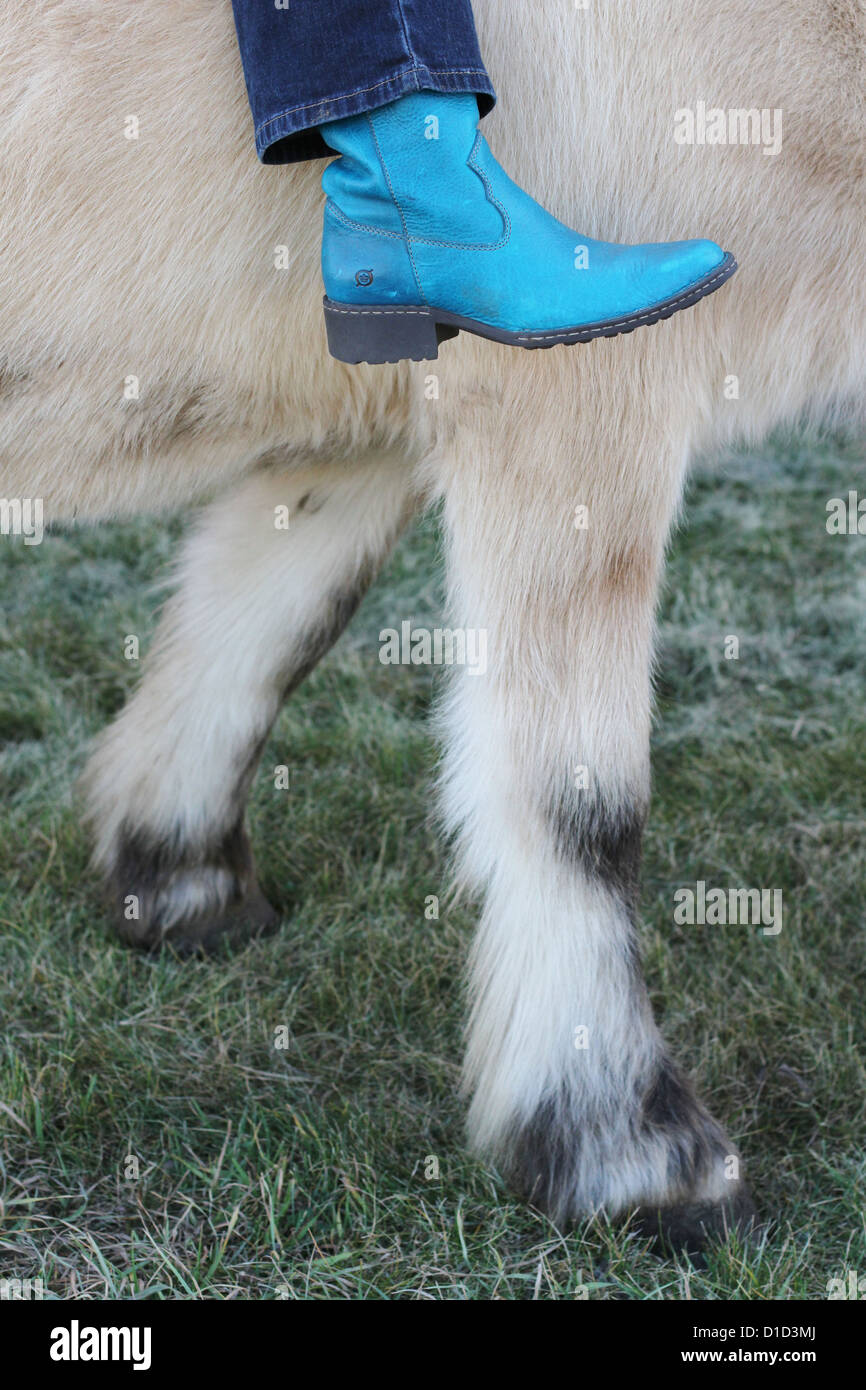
x: 358, y: 333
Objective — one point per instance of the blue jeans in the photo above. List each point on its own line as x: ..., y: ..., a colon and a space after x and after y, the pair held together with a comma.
x: 313, y: 61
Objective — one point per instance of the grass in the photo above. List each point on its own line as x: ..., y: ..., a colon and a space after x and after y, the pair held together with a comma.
x: 154, y: 1140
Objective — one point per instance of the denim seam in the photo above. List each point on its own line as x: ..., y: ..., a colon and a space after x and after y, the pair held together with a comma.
x: 412, y: 54
x: 362, y: 91
x: 397, y: 206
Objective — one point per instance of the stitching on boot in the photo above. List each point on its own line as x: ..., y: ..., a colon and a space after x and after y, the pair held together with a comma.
x: 417, y: 240
x: 361, y: 226
x: 410, y: 238
x: 378, y: 313
x: 397, y: 206
x: 704, y: 287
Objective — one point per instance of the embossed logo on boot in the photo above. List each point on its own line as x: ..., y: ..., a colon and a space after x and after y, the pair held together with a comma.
x: 363, y: 277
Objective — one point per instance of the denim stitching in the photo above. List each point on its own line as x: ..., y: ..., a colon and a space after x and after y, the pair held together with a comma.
x: 362, y: 91
x: 412, y: 54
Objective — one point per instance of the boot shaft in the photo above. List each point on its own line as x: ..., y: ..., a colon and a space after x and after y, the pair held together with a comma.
x: 415, y: 168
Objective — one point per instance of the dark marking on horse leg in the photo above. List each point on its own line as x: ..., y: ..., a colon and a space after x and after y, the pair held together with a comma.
x: 558, y: 1159
x: 337, y: 613
x: 695, y: 1145
x: 602, y: 841
x: 544, y: 1157
x: 694, y: 1140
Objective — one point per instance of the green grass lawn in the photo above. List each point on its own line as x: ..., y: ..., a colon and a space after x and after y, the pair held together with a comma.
x: 299, y: 1171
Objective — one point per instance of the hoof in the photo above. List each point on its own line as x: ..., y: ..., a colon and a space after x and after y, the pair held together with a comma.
x: 203, y: 934
x: 690, y: 1228
x: 192, y: 902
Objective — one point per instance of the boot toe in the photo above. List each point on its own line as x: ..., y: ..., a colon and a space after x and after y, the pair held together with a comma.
x: 677, y: 266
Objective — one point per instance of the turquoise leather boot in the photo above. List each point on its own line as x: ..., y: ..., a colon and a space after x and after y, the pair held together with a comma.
x: 425, y: 234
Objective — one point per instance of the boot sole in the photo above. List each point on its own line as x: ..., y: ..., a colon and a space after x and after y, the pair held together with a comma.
x: 379, y: 333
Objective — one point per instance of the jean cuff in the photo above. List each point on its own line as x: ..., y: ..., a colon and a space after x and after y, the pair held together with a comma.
x: 293, y: 135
